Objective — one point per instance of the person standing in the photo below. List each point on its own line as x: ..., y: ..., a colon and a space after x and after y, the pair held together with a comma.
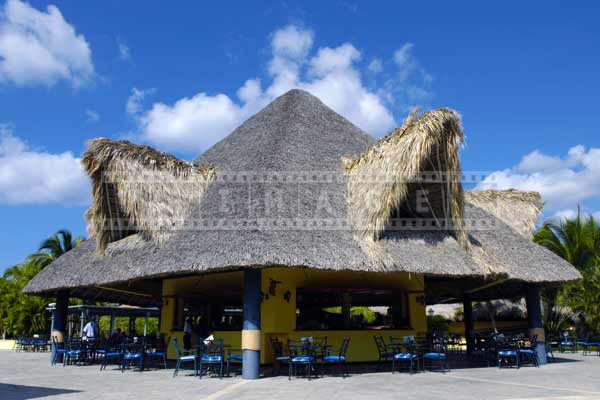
x: 90, y: 330
x: 187, y: 334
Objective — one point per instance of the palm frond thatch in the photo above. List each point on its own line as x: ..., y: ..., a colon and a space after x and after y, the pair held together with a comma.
x: 516, y: 208
x: 139, y: 189
x: 388, y: 175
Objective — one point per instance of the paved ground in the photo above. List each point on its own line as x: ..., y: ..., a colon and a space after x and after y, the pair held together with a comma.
x: 29, y: 376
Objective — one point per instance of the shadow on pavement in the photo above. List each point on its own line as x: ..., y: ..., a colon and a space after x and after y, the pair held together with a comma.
x: 22, y: 392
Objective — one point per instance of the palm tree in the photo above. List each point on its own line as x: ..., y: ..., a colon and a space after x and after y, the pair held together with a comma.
x: 54, y: 247
x: 576, y: 240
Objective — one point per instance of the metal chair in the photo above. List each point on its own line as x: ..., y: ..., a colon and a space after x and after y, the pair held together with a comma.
x: 384, y: 353
x: 133, y: 354
x: 58, y: 350
x: 528, y: 353
x: 437, y: 356
x: 76, y: 352
x: 211, y: 354
x: 300, y: 356
x: 339, y: 358
x: 234, y: 356
x: 566, y: 343
x: 158, y: 351
x: 588, y: 343
x: 508, y: 354
x: 278, y: 354
x: 184, y: 358
x: 404, y: 351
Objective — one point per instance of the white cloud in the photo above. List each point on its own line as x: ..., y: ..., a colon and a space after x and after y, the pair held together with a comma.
x: 411, y: 83
x: 124, y: 51
x: 376, y: 65
x: 194, y: 123
x: 135, y: 101
x: 329, y: 60
x: 38, y: 47
x: 92, y: 116
x: 292, y: 41
x: 402, y: 56
x: 191, y: 123
x: 564, y: 182
x: 28, y: 176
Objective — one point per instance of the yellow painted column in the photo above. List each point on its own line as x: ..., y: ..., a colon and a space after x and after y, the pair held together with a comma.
x: 278, y: 308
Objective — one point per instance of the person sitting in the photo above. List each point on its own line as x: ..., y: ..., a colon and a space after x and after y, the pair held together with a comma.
x: 116, y: 337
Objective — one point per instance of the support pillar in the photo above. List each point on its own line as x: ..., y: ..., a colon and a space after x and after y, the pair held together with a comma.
x: 59, y: 319
x: 112, y: 325
x: 146, y: 325
x: 534, y: 319
x: 251, y: 336
x: 131, y: 326
x: 346, y: 309
x: 81, y: 323
x: 469, y: 324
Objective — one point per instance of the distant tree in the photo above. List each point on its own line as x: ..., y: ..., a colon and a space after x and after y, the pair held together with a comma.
x: 577, y: 240
x: 21, y: 313
x: 55, y: 246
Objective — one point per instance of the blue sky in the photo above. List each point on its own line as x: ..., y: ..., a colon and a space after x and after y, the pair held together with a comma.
x: 524, y: 75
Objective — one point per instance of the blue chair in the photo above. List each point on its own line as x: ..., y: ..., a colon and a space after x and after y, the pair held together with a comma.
x: 588, y: 343
x: 278, y: 355
x: 234, y: 356
x: 404, y: 352
x: 507, y: 355
x: 383, y: 351
x: 339, y: 357
x: 211, y: 354
x: 23, y: 343
x: 40, y: 343
x: 436, y: 356
x: 132, y: 354
x: 528, y: 353
x: 159, y: 352
x: 182, y: 359
x: 300, y: 357
x: 58, y: 350
x: 111, y: 354
x: 75, y: 352
x: 566, y: 343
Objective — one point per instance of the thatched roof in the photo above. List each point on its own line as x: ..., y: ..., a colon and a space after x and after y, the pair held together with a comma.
x: 518, y: 209
x: 277, y: 193
x: 419, y: 157
x: 139, y: 189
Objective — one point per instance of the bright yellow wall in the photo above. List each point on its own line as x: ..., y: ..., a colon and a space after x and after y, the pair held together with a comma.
x: 278, y: 316
x: 7, y: 344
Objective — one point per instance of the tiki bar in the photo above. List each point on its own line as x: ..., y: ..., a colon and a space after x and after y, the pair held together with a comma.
x: 300, y: 225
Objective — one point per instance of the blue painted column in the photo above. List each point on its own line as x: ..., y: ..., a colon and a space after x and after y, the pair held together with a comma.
x: 251, y: 336
x: 59, y: 319
x: 534, y: 319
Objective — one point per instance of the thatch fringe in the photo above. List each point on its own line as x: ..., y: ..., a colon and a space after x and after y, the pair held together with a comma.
x: 518, y: 209
x: 138, y: 189
x: 388, y: 174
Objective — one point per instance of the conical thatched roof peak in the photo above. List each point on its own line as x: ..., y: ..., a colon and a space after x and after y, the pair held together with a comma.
x: 297, y: 131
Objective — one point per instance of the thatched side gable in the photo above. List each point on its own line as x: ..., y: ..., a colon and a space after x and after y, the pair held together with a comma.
x: 138, y: 189
x: 420, y: 157
x: 516, y: 208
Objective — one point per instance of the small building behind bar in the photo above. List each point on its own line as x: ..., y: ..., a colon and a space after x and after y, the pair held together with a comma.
x: 300, y: 224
